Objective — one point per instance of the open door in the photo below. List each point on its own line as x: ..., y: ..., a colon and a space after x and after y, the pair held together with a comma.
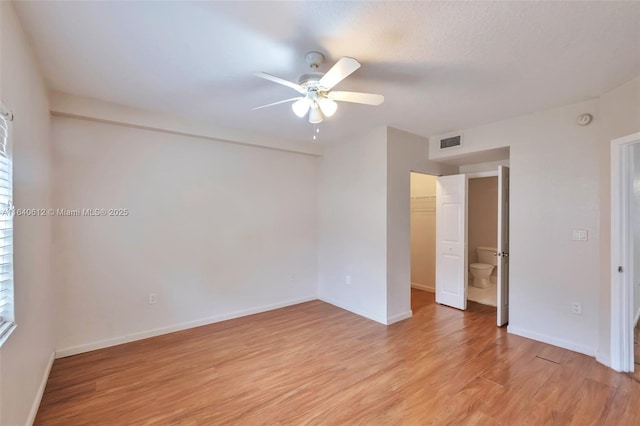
x: 503, y: 246
x: 451, y: 241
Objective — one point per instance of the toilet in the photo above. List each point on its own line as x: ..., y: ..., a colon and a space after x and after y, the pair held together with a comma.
x: 482, y: 270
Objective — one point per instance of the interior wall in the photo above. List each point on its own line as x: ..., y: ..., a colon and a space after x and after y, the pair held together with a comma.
x: 352, y: 225
x: 619, y: 113
x: 26, y: 355
x: 216, y: 230
x: 554, y: 189
x: 482, y: 215
x: 423, y: 231
x: 635, y: 217
x: 489, y: 166
x: 364, y: 230
x: 406, y: 152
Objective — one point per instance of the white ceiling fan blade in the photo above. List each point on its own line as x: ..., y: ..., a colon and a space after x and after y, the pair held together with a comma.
x: 279, y: 80
x: 276, y: 103
x: 356, y: 97
x: 341, y: 70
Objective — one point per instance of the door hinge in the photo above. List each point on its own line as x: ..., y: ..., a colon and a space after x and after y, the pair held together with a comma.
x: 620, y: 269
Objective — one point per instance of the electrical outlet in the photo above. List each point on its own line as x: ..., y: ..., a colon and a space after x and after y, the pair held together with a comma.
x: 576, y: 308
x: 153, y: 298
x: 347, y: 279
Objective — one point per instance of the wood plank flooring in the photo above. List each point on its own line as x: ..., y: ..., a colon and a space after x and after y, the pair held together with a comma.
x: 316, y: 364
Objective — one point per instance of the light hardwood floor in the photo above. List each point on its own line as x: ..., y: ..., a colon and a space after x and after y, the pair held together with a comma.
x: 316, y: 364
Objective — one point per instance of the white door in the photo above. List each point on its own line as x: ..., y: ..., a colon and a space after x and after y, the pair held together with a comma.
x: 451, y: 241
x: 503, y: 246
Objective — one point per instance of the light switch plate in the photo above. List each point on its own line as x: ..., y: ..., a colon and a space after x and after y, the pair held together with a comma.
x: 579, y: 235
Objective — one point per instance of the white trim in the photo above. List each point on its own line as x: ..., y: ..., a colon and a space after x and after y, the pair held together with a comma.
x: 67, y: 105
x: 6, y: 329
x: 603, y: 359
x: 399, y: 317
x: 565, y: 344
x: 357, y: 311
x: 43, y: 384
x: 73, y: 350
x: 423, y: 287
x: 476, y: 175
x: 621, y: 283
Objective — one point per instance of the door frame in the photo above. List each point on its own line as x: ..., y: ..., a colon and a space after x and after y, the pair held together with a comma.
x: 502, y: 274
x: 476, y: 175
x: 622, y: 320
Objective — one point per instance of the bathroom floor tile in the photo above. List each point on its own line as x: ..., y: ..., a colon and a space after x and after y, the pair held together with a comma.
x: 486, y: 296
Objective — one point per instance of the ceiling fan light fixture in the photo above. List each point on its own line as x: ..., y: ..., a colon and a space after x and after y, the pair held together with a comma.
x: 316, y: 95
x: 327, y: 106
x: 315, y: 115
x: 301, y: 107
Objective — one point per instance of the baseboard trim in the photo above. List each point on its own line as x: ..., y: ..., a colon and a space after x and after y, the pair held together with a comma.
x: 551, y: 340
x: 360, y: 312
x: 401, y: 316
x: 603, y: 359
x: 74, y: 350
x: 423, y: 287
x: 43, y: 384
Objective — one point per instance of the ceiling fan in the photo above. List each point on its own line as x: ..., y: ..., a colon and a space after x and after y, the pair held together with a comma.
x: 315, y: 88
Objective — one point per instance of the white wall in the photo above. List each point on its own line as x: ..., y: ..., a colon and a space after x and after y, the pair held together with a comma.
x: 619, y: 114
x: 217, y: 230
x: 490, y: 166
x: 68, y: 105
x: 353, y: 225
x: 364, y: 221
x: 26, y: 355
x: 635, y: 217
x: 406, y: 152
x: 554, y: 188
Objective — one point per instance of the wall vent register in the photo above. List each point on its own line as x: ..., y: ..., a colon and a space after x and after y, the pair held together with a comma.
x: 450, y: 142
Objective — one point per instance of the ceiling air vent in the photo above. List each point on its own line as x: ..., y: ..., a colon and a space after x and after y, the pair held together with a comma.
x: 451, y: 142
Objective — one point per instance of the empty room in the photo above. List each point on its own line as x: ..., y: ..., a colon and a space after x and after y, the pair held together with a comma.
x: 319, y: 212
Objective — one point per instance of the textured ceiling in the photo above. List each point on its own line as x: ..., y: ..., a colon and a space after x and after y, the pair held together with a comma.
x: 441, y: 66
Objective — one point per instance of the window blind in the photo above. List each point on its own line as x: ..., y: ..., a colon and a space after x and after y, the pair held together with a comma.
x: 6, y: 227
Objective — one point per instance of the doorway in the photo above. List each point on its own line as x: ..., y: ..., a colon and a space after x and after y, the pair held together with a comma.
x: 482, y: 237
x: 452, y: 243
x: 625, y: 252
x: 423, y: 233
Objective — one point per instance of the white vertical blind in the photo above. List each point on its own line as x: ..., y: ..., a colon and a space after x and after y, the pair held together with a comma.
x: 6, y: 226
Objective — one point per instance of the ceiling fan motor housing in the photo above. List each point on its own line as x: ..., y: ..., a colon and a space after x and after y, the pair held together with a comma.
x: 310, y: 80
x: 314, y: 59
